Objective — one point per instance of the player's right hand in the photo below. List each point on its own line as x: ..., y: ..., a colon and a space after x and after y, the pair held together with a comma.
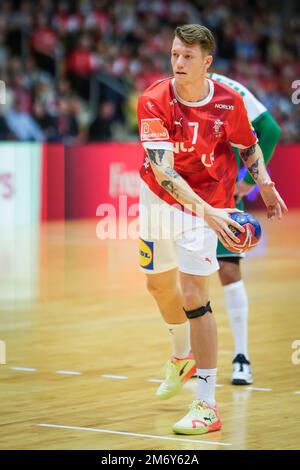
x: 219, y: 221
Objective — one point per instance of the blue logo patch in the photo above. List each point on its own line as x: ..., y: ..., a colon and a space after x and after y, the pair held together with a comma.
x: 146, y: 254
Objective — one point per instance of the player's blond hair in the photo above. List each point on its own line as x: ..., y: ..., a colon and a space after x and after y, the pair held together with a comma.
x: 196, y: 34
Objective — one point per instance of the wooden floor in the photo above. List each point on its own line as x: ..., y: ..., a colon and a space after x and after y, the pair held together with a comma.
x: 93, y: 317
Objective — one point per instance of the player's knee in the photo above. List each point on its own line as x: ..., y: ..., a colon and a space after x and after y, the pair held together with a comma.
x: 159, y: 290
x: 192, y: 298
x: 229, y: 272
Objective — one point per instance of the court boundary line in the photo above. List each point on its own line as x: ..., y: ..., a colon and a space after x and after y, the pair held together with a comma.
x: 123, y: 377
x: 259, y: 389
x: 68, y: 372
x: 122, y: 433
x: 110, y: 376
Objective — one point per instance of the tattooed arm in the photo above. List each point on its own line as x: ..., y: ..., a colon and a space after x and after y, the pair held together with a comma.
x: 218, y: 219
x: 172, y: 182
x: 254, y: 161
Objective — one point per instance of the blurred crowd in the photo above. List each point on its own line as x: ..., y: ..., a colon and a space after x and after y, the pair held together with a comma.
x: 73, y: 69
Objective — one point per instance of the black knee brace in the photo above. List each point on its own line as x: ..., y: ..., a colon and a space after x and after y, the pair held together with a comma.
x: 198, y: 312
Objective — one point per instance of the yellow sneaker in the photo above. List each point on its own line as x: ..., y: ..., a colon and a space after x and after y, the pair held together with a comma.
x: 177, y: 372
x: 200, y: 419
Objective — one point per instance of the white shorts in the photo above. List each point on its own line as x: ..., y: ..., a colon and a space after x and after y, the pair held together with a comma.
x: 171, y: 238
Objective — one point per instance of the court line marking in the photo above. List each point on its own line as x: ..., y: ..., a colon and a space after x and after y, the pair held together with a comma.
x: 259, y: 389
x: 120, y: 377
x: 150, y: 436
x: 68, y: 372
x: 108, y: 376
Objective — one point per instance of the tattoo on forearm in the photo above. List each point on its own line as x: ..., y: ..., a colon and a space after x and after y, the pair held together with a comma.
x: 171, y: 172
x: 253, y: 169
x: 169, y: 186
x: 156, y: 156
x: 248, y: 152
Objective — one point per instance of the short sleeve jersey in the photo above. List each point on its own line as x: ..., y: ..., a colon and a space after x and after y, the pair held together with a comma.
x: 198, y: 134
x: 254, y: 107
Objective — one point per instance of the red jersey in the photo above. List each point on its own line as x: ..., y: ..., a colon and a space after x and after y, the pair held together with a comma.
x: 198, y: 134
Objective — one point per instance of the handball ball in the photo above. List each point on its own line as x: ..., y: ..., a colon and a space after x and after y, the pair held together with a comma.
x: 248, y: 239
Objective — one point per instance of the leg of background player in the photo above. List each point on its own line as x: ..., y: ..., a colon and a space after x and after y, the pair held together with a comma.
x: 237, y: 308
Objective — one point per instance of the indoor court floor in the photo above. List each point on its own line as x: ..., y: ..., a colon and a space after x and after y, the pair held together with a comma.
x: 84, y: 358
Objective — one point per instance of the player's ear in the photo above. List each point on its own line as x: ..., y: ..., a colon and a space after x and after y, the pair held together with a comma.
x: 208, y: 61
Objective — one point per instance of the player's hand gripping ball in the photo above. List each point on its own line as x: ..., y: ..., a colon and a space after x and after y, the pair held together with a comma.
x: 248, y: 239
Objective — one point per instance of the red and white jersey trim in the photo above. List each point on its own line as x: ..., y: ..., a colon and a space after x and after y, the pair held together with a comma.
x: 158, y: 145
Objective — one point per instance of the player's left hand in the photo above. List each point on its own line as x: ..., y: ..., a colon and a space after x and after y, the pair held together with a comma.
x: 242, y: 189
x: 272, y: 199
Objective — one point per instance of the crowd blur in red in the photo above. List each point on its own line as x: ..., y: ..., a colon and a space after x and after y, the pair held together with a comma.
x: 49, y: 52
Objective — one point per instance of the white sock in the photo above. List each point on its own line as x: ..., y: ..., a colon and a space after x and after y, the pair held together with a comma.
x: 206, y: 385
x: 237, y: 308
x: 180, y: 337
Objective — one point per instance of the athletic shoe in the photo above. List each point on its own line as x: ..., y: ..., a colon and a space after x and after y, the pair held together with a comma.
x: 200, y: 419
x: 177, y: 372
x: 242, y: 372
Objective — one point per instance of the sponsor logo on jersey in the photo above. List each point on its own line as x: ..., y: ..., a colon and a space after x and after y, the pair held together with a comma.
x: 146, y: 254
x: 180, y: 147
x: 217, y: 127
x: 208, y: 160
x: 153, y: 129
x: 230, y: 107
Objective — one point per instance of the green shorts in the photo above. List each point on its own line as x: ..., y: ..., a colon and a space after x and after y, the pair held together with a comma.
x: 222, y: 251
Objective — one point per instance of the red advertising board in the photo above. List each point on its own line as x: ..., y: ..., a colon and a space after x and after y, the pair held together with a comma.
x: 53, y: 182
x: 77, y: 180
x: 99, y: 174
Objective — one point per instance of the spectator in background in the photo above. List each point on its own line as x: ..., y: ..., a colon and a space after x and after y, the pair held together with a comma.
x: 64, y: 89
x: 67, y: 125
x: 46, y: 122
x: 22, y: 124
x: 50, y: 50
x: 44, y: 91
x: 65, y: 21
x: 44, y: 43
x: 98, y: 18
x: 5, y: 132
x: 101, y: 128
x: 21, y: 92
x: 3, y: 49
x: 81, y: 64
x: 81, y: 113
